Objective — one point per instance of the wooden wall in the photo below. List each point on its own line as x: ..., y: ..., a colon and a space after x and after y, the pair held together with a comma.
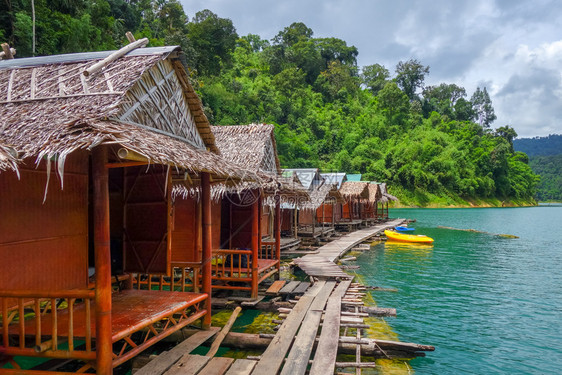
x: 44, y: 246
x: 186, y: 229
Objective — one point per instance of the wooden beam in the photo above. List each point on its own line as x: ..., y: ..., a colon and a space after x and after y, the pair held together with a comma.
x: 256, y: 212
x: 114, y: 56
x: 277, y: 231
x: 130, y: 37
x: 104, y: 345
x: 8, y: 52
x: 207, y: 239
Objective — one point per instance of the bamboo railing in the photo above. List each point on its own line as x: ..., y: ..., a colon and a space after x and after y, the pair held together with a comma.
x: 35, y: 311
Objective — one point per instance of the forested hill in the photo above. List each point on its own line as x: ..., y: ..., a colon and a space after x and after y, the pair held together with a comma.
x: 430, y: 143
x: 550, y: 145
x: 545, y: 159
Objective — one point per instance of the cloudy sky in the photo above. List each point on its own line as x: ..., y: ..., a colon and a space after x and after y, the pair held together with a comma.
x: 511, y: 47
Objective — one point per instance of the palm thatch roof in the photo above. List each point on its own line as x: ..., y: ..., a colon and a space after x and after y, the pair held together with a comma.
x: 375, y: 193
x: 7, y: 159
x: 318, y: 196
x: 251, y: 146
x: 309, y: 177
x: 385, y: 193
x: 355, y: 189
x: 142, y: 101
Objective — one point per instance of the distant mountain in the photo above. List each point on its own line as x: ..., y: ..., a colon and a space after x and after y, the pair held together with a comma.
x: 551, y: 145
x: 550, y: 169
x: 545, y: 158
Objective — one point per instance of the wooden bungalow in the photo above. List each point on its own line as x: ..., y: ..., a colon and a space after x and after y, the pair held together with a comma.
x: 249, y: 250
x: 307, y: 222
x: 386, y: 197
x: 90, y: 215
x: 355, y: 194
x: 370, y: 207
x: 331, y: 212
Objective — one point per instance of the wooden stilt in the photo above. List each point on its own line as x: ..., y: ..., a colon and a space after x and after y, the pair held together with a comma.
x: 207, y: 244
x: 104, y: 347
x: 255, y: 246
x: 295, y: 221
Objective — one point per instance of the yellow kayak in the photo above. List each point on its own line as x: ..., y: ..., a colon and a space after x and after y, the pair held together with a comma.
x: 395, y: 236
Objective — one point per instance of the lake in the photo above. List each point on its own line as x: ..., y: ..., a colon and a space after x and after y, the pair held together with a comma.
x: 489, y: 304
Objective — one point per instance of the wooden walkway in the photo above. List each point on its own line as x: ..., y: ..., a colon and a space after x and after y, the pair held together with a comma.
x: 321, y: 264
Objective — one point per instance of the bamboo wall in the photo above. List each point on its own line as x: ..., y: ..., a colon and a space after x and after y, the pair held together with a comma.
x: 44, y: 246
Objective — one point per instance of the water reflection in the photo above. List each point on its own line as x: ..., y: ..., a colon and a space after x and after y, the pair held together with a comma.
x: 416, y: 248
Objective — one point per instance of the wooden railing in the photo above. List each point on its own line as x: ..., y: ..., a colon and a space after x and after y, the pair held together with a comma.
x: 51, y: 319
x: 185, y: 277
x: 232, y: 265
x: 267, y: 250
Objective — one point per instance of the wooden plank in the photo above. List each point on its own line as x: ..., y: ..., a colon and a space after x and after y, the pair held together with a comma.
x: 327, y: 349
x: 297, y: 361
x: 272, y: 359
x: 253, y: 302
x: 242, y: 367
x: 301, y: 289
x: 189, y: 364
x: 217, y: 366
x: 275, y: 287
x: 166, y: 360
x: 287, y: 289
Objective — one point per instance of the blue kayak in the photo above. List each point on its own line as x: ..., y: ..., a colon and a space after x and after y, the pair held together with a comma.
x: 404, y: 229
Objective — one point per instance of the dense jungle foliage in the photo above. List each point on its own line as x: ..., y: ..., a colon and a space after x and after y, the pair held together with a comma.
x: 429, y: 142
x: 545, y: 159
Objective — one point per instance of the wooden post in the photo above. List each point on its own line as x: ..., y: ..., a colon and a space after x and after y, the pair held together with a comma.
x: 313, y: 222
x: 8, y: 52
x: 277, y: 231
x: 207, y: 244
x: 323, y: 214
x: 295, y: 221
x: 104, y: 346
x: 333, y: 215
x: 255, y: 245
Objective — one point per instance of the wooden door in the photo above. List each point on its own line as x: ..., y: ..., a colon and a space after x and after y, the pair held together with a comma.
x: 147, y: 220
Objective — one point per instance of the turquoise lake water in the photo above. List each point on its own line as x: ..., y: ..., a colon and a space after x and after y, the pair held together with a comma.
x: 489, y: 305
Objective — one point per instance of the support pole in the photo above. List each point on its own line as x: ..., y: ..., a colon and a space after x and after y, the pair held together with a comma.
x: 295, y: 221
x: 277, y: 230
x: 333, y: 215
x: 255, y: 245
x: 102, y: 250
x: 207, y: 244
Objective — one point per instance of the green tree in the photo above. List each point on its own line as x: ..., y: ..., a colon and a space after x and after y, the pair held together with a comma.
x: 410, y: 76
x: 213, y: 39
x: 482, y: 106
x: 507, y: 133
x: 393, y: 101
x: 375, y: 77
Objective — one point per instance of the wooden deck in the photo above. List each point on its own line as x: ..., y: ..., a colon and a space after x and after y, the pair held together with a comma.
x: 321, y: 264
x: 317, y: 232
x: 289, y: 243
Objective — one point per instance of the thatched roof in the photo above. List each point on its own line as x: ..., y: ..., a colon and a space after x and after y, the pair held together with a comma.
x: 355, y: 189
x: 375, y: 193
x: 142, y: 101
x: 318, y: 196
x: 385, y: 193
x: 7, y: 159
x: 309, y: 177
x: 251, y: 146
